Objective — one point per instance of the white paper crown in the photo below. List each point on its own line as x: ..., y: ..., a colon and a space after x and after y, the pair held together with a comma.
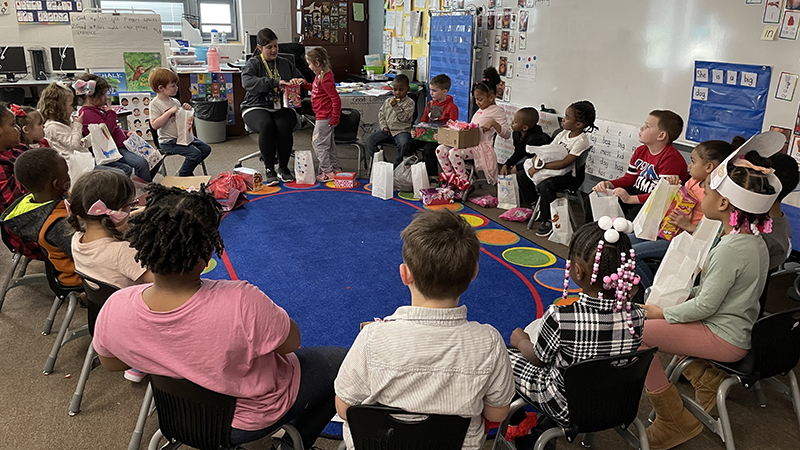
x: 766, y: 144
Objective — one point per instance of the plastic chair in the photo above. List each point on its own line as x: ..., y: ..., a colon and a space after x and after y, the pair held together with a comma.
x: 70, y: 294
x: 14, y: 277
x: 195, y: 416
x: 346, y: 133
x: 377, y: 427
x: 162, y: 165
x: 97, y: 293
x: 571, y: 193
x: 602, y: 393
x: 775, y: 349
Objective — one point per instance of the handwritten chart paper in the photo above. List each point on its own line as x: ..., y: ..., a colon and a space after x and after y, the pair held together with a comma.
x: 100, y: 39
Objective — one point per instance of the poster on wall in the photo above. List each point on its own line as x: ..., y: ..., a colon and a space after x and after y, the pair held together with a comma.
x: 137, y: 69
x: 115, y: 79
x: 214, y: 85
x: 46, y: 12
x: 139, y: 105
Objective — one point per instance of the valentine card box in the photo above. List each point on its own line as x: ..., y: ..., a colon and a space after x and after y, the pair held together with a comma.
x: 345, y: 180
x: 252, y: 177
x: 292, y: 96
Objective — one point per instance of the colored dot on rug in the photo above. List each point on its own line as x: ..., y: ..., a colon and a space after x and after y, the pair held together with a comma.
x: 451, y: 206
x: 529, y: 257
x: 407, y: 196
x: 265, y: 190
x: 211, y: 266
x: 474, y: 220
x: 368, y: 187
x: 331, y: 184
x: 553, y: 278
x: 568, y: 301
x: 296, y: 185
x: 497, y: 237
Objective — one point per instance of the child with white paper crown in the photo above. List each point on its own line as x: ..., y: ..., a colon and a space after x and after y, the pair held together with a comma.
x: 716, y: 323
x: 164, y: 83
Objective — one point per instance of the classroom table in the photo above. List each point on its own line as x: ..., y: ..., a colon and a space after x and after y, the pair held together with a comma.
x: 369, y: 105
x: 33, y: 85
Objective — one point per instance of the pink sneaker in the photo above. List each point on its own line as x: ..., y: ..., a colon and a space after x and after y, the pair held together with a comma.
x: 325, y: 177
x: 134, y: 375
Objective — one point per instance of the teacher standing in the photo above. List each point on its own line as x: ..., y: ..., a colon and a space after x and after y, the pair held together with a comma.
x: 263, y: 77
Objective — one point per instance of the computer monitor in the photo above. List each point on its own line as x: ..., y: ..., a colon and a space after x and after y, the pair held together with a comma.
x: 63, y: 59
x: 12, y: 61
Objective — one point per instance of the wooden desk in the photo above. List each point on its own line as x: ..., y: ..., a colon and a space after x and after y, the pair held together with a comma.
x: 185, y: 96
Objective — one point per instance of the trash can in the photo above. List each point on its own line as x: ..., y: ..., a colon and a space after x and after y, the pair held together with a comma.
x: 210, y: 119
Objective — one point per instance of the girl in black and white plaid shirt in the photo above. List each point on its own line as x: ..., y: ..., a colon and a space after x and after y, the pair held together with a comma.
x: 601, y: 323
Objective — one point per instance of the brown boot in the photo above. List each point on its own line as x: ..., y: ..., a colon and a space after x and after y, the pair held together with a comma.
x: 674, y: 424
x: 705, y: 379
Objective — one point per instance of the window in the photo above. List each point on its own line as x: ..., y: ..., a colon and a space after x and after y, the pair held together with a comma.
x: 217, y: 15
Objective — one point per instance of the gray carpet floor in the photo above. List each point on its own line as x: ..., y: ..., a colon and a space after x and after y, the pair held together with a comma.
x: 33, y: 407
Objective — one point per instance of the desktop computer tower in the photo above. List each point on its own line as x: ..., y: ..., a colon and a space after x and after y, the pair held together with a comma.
x: 37, y: 61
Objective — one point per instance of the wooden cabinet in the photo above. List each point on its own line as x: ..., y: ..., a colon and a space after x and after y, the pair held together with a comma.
x: 332, y: 25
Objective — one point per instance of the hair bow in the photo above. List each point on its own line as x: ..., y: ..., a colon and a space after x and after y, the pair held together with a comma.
x: 84, y: 87
x: 17, y: 110
x: 100, y: 209
x: 745, y: 163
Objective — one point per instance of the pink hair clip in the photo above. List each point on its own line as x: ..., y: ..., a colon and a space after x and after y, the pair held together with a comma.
x: 100, y: 209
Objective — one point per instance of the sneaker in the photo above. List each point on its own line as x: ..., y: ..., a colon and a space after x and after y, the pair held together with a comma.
x: 545, y: 229
x: 134, y: 375
x: 324, y: 177
x: 270, y: 177
x: 284, y: 175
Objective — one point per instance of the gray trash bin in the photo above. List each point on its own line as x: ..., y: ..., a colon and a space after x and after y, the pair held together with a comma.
x: 211, y: 119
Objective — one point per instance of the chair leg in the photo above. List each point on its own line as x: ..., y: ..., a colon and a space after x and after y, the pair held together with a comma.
x: 15, y: 260
x: 548, y: 436
x: 588, y: 440
x: 294, y: 435
x: 535, y: 212
x: 795, y: 394
x: 51, y: 317
x: 722, y: 407
x: 62, y: 334
x: 644, y: 443
x: 500, y: 440
x: 136, y: 437
x: 23, y: 268
x: 155, y: 440
x: 759, y: 390
x: 77, y: 397
x: 205, y: 171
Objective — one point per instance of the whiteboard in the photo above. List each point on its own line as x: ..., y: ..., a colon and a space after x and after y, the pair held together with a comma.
x: 629, y: 57
x: 101, y: 38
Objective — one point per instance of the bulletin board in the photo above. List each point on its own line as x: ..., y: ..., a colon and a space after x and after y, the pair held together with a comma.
x: 395, y: 28
x: 214, y: 85
x: 451, y: 54
x: 727, y: 100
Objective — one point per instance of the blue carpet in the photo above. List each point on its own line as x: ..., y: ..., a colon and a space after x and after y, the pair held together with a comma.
x: 330, y: 257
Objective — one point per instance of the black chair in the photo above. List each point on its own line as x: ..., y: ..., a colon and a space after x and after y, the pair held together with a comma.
x: 775, y: 349
x: 12, y: 95
x: 377, y: 427
x: 571, y: 193
x: 346, y: 133
x: 70, y: 294
x: 14, y: 277
x: 602, y: 393
x: 162, y: 165
x: 192, y: 415
x: 97, y: 293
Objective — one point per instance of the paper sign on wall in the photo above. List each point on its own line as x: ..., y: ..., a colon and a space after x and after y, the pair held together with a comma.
x: 390, y: 20
x: 786, y: 86
x: 789, y: 25
x: 526, y: 67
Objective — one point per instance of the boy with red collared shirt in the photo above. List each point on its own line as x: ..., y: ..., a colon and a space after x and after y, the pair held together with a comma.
x: 655, y: 159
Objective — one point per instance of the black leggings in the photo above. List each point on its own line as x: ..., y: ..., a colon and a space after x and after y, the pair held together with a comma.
x: 274, y: 134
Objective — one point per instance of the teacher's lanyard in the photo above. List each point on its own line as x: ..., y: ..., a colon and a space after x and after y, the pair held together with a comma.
x: 269, y: 71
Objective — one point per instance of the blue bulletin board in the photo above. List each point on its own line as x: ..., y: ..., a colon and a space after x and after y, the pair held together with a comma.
x: 727, y: 100
x: 214, y: 85
x: 451, y: 54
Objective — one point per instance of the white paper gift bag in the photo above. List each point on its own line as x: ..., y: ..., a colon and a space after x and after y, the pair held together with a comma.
x: 419, y: 178
x: 137, y: 145
x: 304, y: 167
x: 377, y: 157
x: 184, y: 120
x: 103, y: 146
x: 507, y: 197
x: 648, y: 220
x: 562, y: 227
x: 605, y: 204
x: 79, y: 163
x: 383, y: 183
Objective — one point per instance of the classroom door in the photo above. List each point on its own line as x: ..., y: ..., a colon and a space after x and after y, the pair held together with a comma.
x: 338, y: 26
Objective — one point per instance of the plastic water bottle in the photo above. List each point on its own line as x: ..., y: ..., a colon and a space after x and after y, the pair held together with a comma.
x: 214, y: 37
x: 213, y: 59
x: 223, y: 38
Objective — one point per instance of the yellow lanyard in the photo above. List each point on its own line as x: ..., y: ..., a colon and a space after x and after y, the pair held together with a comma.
x: 269, y: 71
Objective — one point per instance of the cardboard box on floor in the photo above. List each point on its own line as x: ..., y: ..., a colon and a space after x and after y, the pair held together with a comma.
x: 459, y: 138
x: 186, y: 183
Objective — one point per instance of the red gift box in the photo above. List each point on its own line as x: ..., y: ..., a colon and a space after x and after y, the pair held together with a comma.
x: 345, y: 180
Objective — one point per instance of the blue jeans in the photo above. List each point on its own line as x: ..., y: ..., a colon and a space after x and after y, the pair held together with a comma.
x: 314, y: 406
x: 379, y: 137
x: 647, y: 249
x: 193, y: 154
x: 133, y: 161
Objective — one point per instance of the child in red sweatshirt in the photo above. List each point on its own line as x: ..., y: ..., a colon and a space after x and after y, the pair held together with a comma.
x: 327, y: 108
x: 440, y: 109
x: 657, y: 158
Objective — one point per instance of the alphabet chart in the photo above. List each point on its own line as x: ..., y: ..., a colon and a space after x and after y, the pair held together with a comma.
x: 729, y: 100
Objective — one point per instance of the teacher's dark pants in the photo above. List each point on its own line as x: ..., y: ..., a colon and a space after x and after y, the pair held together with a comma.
x: 274, y: 134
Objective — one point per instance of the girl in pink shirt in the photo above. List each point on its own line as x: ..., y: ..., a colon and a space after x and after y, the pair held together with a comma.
x: 226, y: 336
x: 705, y: 158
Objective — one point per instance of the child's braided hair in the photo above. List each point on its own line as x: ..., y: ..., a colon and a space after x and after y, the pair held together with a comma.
x: 584, y: 245
x: 585, y: 114
x: 176, y: 230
